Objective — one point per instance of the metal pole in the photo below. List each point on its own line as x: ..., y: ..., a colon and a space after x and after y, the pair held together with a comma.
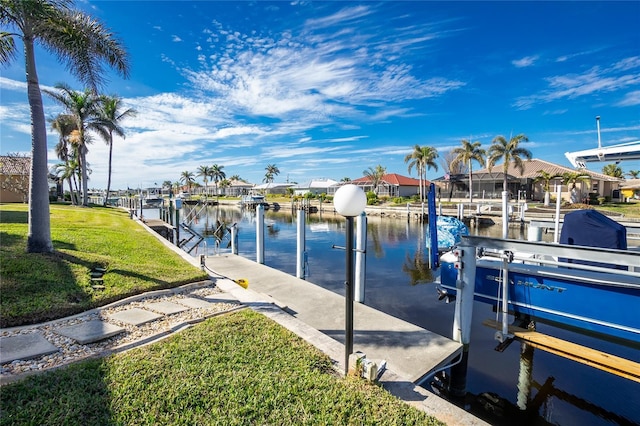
x: 300, y: 270
x: 348, y: 337
x: 260, y: 234
x: 361, y: 245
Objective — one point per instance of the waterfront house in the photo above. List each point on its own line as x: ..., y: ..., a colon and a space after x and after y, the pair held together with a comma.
x: 488, y: 184
x: 390, y: 185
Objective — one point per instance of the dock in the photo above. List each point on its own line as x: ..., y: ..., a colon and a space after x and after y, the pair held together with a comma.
x: 409, y: 350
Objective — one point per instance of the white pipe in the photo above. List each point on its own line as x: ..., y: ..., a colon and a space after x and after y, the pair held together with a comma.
x: 260, y: 234
x: 505, y: 214
x: 361, y: 258
x: 300, y: 271
x: 557, y: 220
x: 465, y: 286
x: 234, y: 239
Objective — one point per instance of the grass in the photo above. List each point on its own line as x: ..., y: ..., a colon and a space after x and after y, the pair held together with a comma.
x: 40, y: 287
x: 235, y: 369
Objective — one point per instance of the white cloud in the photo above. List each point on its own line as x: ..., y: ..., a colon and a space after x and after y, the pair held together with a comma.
x: 618, y: 76
x: 630, y: 99
x: 175, y: 38
x: 527, y: 61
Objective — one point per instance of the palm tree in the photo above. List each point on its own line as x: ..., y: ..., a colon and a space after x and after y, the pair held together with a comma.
x: 85, y: 45
x: 204, y: 172
x: 509, y: 151
x: 345, y: 179
x: 110, y: 114
x: 224, y: 184
x: 633, y: 174
x: 186, y: 178
x: 272, y: 172
x: 64, y: 124
x: 546, y: 178
x: 423, y: 158
x: 466, y: 154
x: 572, y: 178
x: 217, y: 175
x: 83, y: 107
x: 612, y: 170
x: 374, y: 174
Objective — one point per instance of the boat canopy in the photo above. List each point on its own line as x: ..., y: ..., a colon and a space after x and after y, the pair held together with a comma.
x: 613, y: 153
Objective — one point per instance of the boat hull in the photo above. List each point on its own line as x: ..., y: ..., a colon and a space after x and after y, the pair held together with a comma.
x: 592, y: 302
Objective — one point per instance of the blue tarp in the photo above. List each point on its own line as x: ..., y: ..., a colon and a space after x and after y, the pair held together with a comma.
x: 449, y: 231
x: 592, y: 229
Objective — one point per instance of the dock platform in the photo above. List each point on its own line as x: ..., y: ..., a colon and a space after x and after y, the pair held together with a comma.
x: 409, y: 350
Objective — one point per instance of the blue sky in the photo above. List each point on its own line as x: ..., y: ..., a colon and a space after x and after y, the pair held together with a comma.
x: 329, y: 89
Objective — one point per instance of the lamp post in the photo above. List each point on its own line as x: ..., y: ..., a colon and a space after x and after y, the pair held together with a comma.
x: 349, y: 201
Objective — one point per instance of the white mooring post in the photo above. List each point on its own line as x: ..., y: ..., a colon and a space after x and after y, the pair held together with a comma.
x: 361, y: 257
x: 465, y: 286
x: 260, y: 234
x: 505, y: 214
x: 301, y: 248
x: 234, y: 239
x: 557, y: 218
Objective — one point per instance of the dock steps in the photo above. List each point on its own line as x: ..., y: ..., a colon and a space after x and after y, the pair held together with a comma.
x: 603, y: 361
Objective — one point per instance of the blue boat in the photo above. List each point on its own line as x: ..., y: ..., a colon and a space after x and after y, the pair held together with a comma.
x: 592, y: 290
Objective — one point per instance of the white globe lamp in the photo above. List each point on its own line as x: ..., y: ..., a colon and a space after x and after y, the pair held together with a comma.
x: 350, y: 200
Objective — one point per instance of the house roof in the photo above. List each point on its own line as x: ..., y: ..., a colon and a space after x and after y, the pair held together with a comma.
x: 631, y: 184
x: 272, y: 185
x: 14, y: 165
x: 316, y: 183
x: 533, y: 168
x: 391, y: 179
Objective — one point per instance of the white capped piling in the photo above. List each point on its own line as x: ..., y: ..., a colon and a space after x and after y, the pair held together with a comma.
x: 557, y: 219
x: 408, y: 211
x: 505, y: 214
x: 439, y: 209
x: 234, y: 238
x: 422, y: 213
x: 361, y: 245
x: 465, y: 286
x: 260, y: 234
x: 301, y: 245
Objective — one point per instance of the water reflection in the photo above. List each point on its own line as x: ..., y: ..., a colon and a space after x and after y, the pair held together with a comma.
x: 503, y: 387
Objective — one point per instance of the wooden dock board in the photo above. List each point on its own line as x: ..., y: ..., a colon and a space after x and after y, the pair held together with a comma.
x: 603, y: 361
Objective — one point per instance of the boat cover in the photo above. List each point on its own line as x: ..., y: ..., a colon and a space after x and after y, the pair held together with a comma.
x: 592, y: 229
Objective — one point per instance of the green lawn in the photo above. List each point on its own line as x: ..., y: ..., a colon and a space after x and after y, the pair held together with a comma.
x: 235, y: 369
x: 40, y: 287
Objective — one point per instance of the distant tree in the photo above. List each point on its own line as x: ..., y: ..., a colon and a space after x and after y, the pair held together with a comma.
x: 612, y: 170
x: 509, y: 151
x: 546, y: 178
x: 422, y: 158
x: 468, y: 152
x: 67, y: 152
x: 449, y: 166
x: 110, y: 115
x: 374, y: 175
x: 272, y: 172
x: 84, y: 108
x: 204, y: 172
x: 72, y: 36
x: 572, y: 178
x: 186, y: 178
x: 345, y: 179
x: 224, y: 184
x: 217, y: 174
x: 236, y: 178
x: 633, y: 174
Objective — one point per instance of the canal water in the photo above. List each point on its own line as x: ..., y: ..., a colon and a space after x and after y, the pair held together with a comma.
x: 399, y: 282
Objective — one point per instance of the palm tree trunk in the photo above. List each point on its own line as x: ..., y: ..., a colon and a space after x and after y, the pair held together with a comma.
x: 85, y: 177
x: 106, y: 198
x: 39, y: 234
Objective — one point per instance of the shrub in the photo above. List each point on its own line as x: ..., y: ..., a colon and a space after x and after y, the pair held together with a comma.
x: 372, y: 198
